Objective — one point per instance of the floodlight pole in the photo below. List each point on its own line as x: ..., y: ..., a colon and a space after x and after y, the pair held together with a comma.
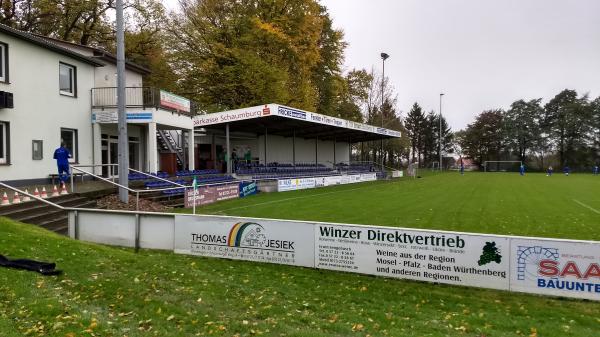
x: 440, y: 136
x: 384, y: 57
x: 123, y: 147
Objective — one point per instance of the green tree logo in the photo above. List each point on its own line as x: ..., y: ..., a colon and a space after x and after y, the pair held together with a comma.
x: 490, y: 253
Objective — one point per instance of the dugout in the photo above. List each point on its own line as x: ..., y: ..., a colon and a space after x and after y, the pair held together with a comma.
x: 274, y: 133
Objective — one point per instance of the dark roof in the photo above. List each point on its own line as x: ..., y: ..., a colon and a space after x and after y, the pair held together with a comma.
x: 45, y: 43
x: 104, y: 55
x: 100, y: 54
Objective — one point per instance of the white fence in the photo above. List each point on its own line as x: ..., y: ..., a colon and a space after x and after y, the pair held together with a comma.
x: 294, y: 184
x: 567, y: 268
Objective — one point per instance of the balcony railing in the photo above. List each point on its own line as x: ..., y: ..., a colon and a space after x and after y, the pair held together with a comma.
x: 143, y: 97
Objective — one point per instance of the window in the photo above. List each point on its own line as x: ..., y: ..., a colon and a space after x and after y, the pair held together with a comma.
x: 4, y: 143
x: 67, y: 79
x: 37, y: 149
x: 69, y: 137
x: 3, y: 62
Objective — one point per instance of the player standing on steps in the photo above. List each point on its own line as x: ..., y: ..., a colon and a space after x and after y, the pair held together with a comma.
x: 62, y: 156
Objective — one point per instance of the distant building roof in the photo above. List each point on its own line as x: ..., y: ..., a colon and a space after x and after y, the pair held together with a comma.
x: 48, y: 44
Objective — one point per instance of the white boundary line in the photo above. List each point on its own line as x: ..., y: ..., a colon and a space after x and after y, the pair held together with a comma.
x: 587, y: 206
x: 294, y: 198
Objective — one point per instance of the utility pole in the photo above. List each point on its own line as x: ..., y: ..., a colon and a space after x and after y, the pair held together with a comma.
x: 440, y: 136
x: 122, y: 126
x: 384, y: 57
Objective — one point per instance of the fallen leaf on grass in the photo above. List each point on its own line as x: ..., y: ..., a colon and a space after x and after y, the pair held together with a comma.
x: 358, y: 327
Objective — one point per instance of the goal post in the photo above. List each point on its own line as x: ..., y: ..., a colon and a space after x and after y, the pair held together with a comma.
x: 412, y: 170
x: 501, y: 165
x: 435, y: 166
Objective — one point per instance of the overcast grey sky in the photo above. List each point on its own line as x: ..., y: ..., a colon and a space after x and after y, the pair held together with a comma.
x: 482, y: 54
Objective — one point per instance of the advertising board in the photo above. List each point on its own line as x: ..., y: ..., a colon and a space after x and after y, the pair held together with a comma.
x: 556, y: 267
x: 397, y: 174
x: 293, y: 113
x: 204, y: 196
x: 233, y: 115
x: 248, y: 188
x: 272, y: 241
x: 227, y: 191
x: 112, y: 117
x: 295, y: 184
x: 541, y: 266
x: 368, y: 177
x: 451, y: 258
x: 209, y: 194
x: 172, y: 101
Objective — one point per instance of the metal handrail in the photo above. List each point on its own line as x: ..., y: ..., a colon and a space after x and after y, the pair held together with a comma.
x: 32, y: 196
x: 98, y: 177
x: 137, y: 192
x: 190, y: 186
x: 112, y: 177
x: 137, y: 97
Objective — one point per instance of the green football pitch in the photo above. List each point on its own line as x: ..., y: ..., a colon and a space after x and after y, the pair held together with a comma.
x: 497, y: 203
x: 111, y: 291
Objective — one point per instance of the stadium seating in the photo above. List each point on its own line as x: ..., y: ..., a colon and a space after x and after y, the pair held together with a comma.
x: 141, y: 176
x: 188, y: 173
x: 278, y: 170
x: 356, y: 168
x: 202, y: 180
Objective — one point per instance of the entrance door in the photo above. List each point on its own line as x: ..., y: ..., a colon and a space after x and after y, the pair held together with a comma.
x: 113, y: 156
x: 134, y: 155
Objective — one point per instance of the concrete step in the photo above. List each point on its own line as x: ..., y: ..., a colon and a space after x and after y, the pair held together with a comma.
x: 58, y: 224
x: 47, y: 216
x: 10, y: 208
x: 36, y: 207
x: 51, y: 212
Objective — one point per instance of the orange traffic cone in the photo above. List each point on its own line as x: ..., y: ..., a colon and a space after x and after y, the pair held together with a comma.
x: 63, y: 189
x: 16, y: 198
x: 4, y: 200
x: 44, y: 194
x: 55, y: 192
x: 36, y: 193
x: 26, y: 196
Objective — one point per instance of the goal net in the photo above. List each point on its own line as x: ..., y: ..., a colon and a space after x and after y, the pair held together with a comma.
x: 502, y: 165
x: 435, y: 166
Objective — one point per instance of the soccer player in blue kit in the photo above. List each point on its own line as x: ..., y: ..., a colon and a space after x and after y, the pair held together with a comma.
x: 522, y: 170
x: 62, y: 156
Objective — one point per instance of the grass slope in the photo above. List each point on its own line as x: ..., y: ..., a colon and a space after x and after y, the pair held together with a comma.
x: 107, y: 291
x: 498, y: 203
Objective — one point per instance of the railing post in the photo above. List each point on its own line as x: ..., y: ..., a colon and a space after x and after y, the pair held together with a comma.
x: 76, y: 225
x: 72, y: 182
x: 137, y: 200
x: 154, y: 104
x: 137, y: 233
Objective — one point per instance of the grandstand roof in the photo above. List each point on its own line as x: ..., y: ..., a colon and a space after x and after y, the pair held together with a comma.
x: 284, y: 121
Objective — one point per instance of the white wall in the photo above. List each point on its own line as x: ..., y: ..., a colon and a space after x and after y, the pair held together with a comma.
x: 40, y: 111
x: 279, y: 149
x: 106, y: 77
